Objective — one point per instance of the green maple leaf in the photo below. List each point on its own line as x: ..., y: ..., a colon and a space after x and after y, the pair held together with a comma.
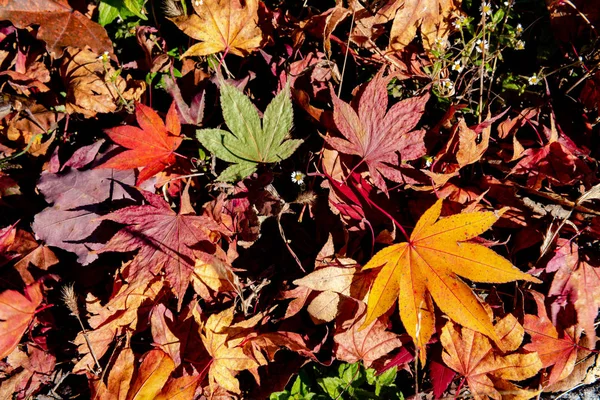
x: 249, y: 144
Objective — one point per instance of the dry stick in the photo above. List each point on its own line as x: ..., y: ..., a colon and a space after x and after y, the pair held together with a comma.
x: 496, y: 58
x: 346, y: 54
x: 481, y: 69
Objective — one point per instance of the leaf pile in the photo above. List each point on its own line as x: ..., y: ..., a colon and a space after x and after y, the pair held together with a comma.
x: 243, y: 199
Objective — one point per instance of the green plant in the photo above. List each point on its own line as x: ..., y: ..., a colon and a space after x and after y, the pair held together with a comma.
x: 347, y: 381
x: 109, y: 10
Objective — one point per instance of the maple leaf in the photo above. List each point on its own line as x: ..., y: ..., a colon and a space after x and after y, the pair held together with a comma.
x: 249, y: 144
x: 488, y: 374
x: 227, y: 358
x: 431, y: 16
x: 558, y: 351
x: 151, y: 146
x: 577, y: 281
x: 376, y: 135
x: 553, y: 162
x: 429, y: 264
x: 166, y: 241
x: 367, y: 345
x: 16, y: 312
x: 60, y: 25
x: 230, y: 26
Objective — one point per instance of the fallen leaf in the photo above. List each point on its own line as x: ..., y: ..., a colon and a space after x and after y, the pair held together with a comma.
x: 471, y: 355
x: 377, y: 134
x: 151, y: 146
x: 353, y: 344
x: 429, y: 265
x: 93, y: 85
x: 60, y: 25
x: 227, y: 359
x: 166, y: 241
x: 230, y: 26
x: 577, y: 282
x: 119, y: 378
x: 125, y: 313
x: 16, y: 312
x: 182, y: 388
x: 77, y: 199
x: 431, y: 16
x: 558, y: 351
x: 249, y: 144
x: 151, y: 375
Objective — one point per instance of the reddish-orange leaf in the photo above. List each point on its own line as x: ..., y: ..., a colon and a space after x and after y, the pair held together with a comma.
x: 16, y: 312
x: 487, y: 373
x: 429, y: 265
x: 559, y: 351
x: 151, y: 146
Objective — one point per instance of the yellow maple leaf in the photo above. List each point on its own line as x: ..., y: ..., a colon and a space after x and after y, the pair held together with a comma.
x: 429, y: 266
x: 227, y: 358
x: 222, y: 25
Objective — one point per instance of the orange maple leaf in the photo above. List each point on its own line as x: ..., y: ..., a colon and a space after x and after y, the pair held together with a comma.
x: 560, y: 352
x: 16, y: 312
x: 488, y: 373
x: 429, y: 265
x: 151, y: 146
x: 222, y: 25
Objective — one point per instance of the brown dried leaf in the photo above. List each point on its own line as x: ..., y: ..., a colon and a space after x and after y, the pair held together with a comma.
x: 93, y: 85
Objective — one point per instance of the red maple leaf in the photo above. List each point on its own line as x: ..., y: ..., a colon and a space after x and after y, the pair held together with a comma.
x: 167, y: 241
x: 376, y: 135
x: 151, y: 146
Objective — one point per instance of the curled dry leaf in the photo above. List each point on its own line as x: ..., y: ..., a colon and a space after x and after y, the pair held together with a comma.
x: 433, y: 17
x: 93, y: 85
x: 230, y: 26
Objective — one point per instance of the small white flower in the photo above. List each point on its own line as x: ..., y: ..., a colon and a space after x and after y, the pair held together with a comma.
x: 119, y: 20
x: 103, y: 57
x: 441, y: 43
x: 533, y: 80
x: 519, y: 30
x: 298, y: 177
x: 520, y: 45
x: 481, y: 45
x: 507, y: 3
x: 459, y: 22
x: 486, y: 8
x: 447, y: 84
x: 457, y: 66
x: 198, y: 3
